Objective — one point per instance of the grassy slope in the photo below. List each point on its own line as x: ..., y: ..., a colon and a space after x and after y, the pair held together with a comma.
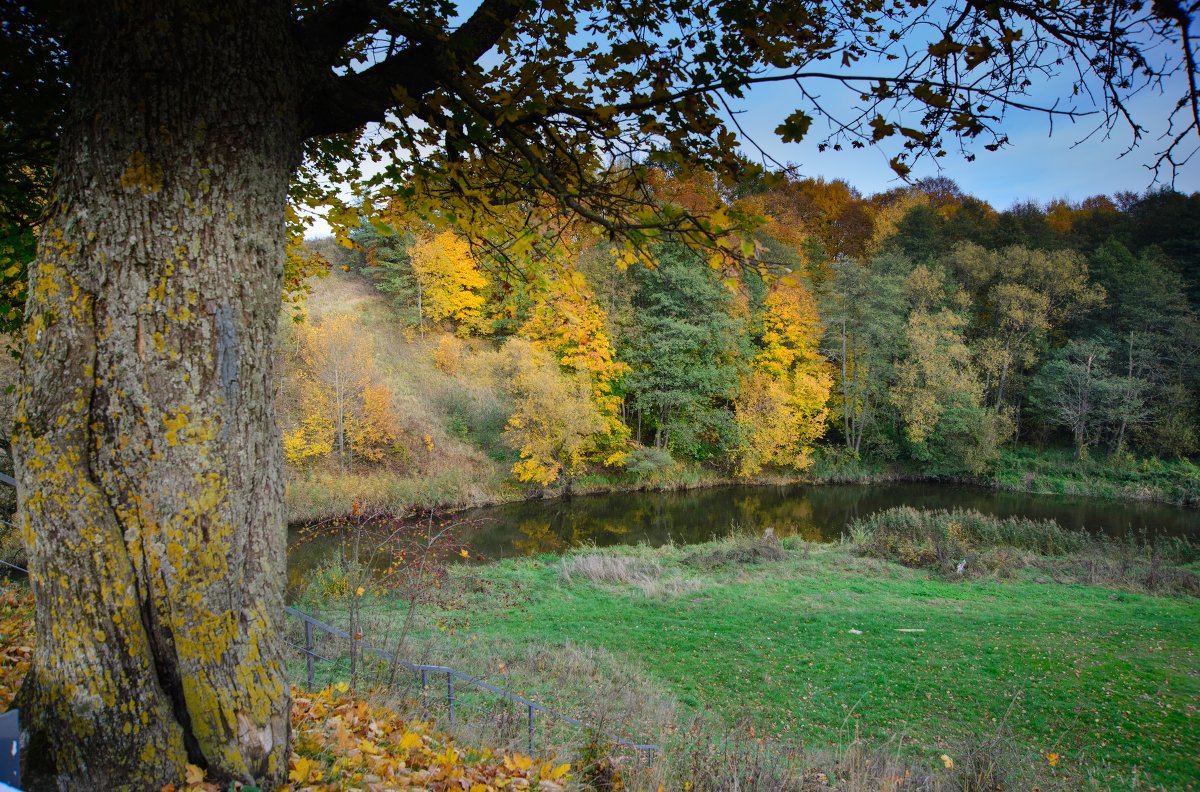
x: 448, y: 420
x: 1103, y: 678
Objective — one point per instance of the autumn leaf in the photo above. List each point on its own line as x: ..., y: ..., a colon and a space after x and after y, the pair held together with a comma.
x: 794, y: 127
x: 303, y: 770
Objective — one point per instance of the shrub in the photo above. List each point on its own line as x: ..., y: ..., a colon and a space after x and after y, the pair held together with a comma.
x: 941, y: 539
x: 645, y: 462
x: 968, y: 543
x: 734, y: 762
x: 740, y: 548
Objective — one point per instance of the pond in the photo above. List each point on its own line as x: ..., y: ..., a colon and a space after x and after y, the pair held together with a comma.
x: 816, y: 513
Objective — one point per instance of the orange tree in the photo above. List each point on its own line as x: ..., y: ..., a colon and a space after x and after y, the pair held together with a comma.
x: 147, y: 450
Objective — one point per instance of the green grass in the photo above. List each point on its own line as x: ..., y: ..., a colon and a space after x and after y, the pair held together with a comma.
x: 1128, y: 478
x: 1049, y: 470
x: 1106, y: 679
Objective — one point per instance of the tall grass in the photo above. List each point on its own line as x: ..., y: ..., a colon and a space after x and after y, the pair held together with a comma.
x: 967, y: 543
x: 1124, y: 477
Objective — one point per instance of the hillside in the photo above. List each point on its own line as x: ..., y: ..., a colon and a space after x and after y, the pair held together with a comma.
x: 449, y: 418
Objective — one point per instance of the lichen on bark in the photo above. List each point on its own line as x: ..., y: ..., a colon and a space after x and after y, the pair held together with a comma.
x: 148, y: 460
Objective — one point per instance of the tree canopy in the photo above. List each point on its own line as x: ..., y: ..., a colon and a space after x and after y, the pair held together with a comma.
x: 489, y: 114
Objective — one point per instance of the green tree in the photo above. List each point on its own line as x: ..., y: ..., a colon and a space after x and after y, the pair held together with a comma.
x: 1170, y: 221
x: 686, y: 355
x: 1070, y: 391
x: 1158, y: 334
x: 157, y: 564
x: 33, y: 91
x: 940, y: 398
x: 1021, y: 296
x: 388, y: 263
x: 864, y: 310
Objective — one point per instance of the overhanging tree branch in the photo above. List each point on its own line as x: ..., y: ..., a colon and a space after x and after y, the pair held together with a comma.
x: 348, y: 102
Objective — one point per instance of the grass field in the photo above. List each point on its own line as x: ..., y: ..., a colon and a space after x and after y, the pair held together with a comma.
x: 807, y: 647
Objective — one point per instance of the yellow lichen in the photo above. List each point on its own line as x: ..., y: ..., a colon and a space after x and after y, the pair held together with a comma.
x: 142, y: 175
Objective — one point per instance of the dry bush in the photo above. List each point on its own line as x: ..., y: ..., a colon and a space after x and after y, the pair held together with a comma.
x: 1116, y: 567
x: 734, y: 762
x: 739, y: 549
x: 588, y: 684
x: 448, y: 353
x: 862, y: 768
x: 609, y: 569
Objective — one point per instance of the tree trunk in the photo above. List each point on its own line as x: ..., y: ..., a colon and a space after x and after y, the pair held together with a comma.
x: 339, y: 406
x: 148, y: 459
x: 1003, y: 377
x: 420, y: 307
x: 847, y: 420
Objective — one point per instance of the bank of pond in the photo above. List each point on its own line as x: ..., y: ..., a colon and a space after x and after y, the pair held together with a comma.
x: 814, y: 513
x: 951, y: 647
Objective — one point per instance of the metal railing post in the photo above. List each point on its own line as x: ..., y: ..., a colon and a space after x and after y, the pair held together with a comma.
x: 529, y: 707
x: 308, y: 653
x: 357, y: 646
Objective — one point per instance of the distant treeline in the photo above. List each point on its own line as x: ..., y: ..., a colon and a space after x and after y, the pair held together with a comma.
x: 920, y: 326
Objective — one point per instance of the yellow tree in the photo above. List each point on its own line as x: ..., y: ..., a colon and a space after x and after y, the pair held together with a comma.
x: 568, y: 322
x: 345, y: 410
x: 555, y: 421
x: 939, y: 396
x: 936, y: 371
x: 448, y: 281
x: 783, y: 404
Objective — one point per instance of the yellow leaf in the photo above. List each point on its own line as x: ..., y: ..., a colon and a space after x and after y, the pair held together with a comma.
x: 360, y: 591
x: 304, y: 770
x: 410, y: 740
x: 194, y: 775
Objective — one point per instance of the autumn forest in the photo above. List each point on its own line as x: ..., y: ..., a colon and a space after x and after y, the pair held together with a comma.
x: 919, y: 330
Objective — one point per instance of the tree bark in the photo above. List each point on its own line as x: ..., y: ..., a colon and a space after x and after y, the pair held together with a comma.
x: 148, y: 459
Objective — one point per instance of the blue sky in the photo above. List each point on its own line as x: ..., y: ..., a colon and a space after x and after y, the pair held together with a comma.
x: 1036, y: 166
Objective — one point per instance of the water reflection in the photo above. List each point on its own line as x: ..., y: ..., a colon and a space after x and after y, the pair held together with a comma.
x: 817, y: 514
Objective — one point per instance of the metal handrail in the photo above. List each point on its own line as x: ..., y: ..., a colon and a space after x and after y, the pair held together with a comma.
x: 423, y: 669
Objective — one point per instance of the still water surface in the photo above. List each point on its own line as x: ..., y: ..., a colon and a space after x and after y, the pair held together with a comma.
x: 817, y: 513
